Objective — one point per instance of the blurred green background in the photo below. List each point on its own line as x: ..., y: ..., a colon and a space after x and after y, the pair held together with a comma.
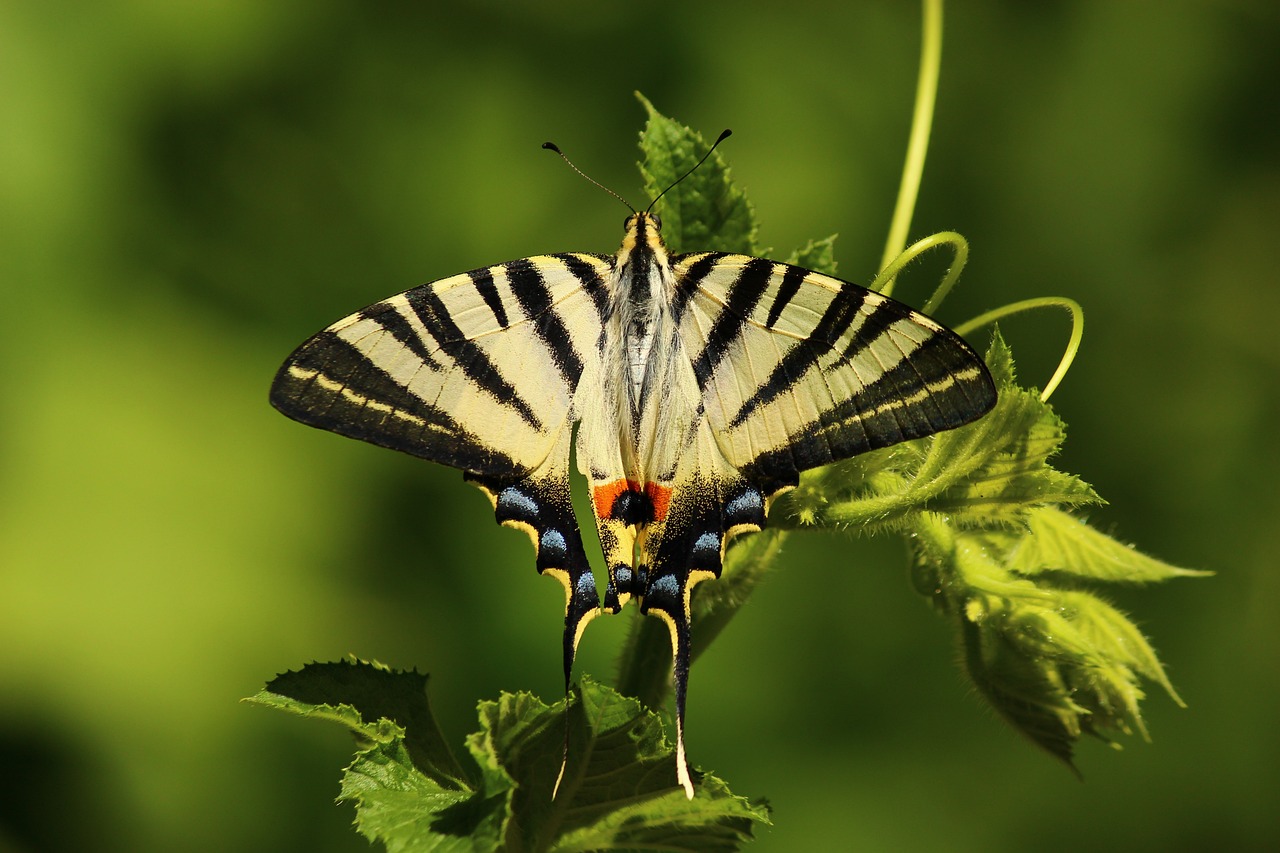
x: 187, y: 190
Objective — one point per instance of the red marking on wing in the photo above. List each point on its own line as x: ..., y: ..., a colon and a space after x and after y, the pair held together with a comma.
x: 603, y: 497
x: 660, y: 496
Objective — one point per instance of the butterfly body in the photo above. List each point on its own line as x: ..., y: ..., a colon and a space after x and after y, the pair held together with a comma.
x: 701, y: 385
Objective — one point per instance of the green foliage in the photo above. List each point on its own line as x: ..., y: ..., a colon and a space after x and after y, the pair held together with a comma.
x: 997, y: 550
x: 704, y: 211
x: 413, y: 795
x: 817, y: 255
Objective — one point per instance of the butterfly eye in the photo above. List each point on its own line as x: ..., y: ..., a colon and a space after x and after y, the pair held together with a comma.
x: 657, y: 221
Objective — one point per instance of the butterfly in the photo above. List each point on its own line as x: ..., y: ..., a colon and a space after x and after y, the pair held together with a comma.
x: 696, y: 386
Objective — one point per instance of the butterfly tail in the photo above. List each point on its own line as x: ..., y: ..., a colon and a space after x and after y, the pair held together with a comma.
x: 582, y: 606
x: 540, y: 505
x: 680, y: 645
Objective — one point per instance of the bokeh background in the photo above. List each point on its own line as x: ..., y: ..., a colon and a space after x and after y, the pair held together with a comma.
x: 187, y: 190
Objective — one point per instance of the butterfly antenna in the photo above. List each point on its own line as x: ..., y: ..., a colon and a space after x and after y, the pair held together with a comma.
x: 551, y: 146
x: 724, y: 134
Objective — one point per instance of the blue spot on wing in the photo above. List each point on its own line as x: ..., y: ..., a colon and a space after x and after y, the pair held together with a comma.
x: 708, y: 543
x: 748, y: 502
x: 516, y: 505
x: 552, y: 545
x: 667, y: 585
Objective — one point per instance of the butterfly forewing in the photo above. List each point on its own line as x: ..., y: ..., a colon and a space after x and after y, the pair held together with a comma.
x: 476, y: 371
x: 817, y: 369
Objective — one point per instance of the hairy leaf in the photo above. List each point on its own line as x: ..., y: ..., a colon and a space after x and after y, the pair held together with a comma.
x: 1063, y: 543
x: 618, y: 790
x: 818, y: 255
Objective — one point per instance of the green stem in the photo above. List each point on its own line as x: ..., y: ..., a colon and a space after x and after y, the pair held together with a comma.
x: 918, y: 143
x: 644, y: 670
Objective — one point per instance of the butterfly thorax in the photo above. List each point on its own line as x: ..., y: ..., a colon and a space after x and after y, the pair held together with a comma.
x: 647, y: 379
x: 642, y: 276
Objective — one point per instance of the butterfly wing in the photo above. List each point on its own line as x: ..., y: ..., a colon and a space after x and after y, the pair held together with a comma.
x: 477, y: 371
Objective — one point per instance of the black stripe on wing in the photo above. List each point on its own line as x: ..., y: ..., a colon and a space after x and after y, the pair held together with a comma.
x: 592, y: 282
x: 535, y: 300
x: 466, y: 354
x: 743, y: 296
x: 691, y: 280
x: 787, y: 290
x: 330, y: 384
x: 397, y: 325
x: 839, y: 315
x: 483, y: 281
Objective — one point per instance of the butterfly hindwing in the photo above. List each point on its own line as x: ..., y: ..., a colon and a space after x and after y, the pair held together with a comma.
x: 710, y: 503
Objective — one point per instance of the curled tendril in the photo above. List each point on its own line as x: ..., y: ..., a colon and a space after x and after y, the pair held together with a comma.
x: 1073, y: 343
x: 885, y: 280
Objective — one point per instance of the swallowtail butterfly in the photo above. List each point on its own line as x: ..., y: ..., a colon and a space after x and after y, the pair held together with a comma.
x: 701, y: 385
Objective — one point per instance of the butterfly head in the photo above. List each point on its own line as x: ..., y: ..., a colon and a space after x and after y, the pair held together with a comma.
x: 654, y: 221
x: 644, y: 231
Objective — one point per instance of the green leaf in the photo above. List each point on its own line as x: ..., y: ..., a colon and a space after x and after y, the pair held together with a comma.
x: 706, y: 210
x: 400, y: 806
x: 410, y: 792
x: 620, y: 780
x: 1058, y: 664
x: 997, y: 549
x: 618, y: 792
x: 1021, y: 434
x: 359, y: 694
x: 1062, y: 543
x: 817, y: 255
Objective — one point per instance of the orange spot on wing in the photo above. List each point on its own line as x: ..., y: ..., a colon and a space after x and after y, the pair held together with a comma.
x: 660, y: 497
x: 602, y: 497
